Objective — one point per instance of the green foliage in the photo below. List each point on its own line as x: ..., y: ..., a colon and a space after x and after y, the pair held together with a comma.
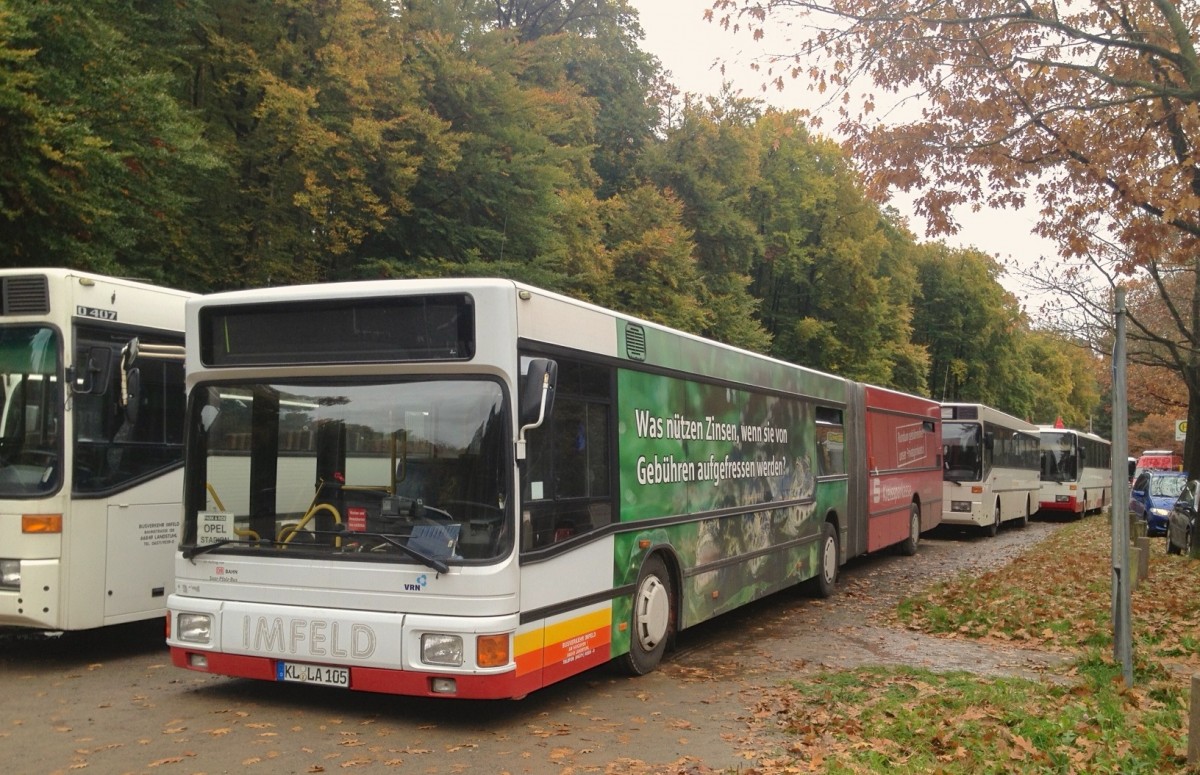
x: 99, y: 158
x: 243, y: 143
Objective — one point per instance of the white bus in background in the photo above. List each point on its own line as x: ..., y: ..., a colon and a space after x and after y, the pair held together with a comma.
x: 991, y: 462
x: 91, y: 448
x: 1076, y: 472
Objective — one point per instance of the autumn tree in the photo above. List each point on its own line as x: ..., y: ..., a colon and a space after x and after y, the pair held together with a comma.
x: 1089, y: 109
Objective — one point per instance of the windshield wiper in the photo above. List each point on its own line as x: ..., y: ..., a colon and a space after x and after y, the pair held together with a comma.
x: 432, y: 562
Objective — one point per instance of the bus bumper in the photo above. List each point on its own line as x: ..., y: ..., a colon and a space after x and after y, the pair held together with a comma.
x: 410, y: 683
x: 972, y: 513
x: 34, y: 602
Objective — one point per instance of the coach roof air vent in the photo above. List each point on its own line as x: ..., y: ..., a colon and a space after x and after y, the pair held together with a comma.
x: 635, y: 342
x: 27, y: 295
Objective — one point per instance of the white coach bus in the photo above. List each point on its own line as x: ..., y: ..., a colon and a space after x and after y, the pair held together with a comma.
x: 91, y: 447
x: 991, y: 467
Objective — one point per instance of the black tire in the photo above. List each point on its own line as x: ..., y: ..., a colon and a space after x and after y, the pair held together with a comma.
x: 908, y: 547
x: 651, y: 618
x: 825, y: 582
x: 994, y: 528
x: 1024, y: 520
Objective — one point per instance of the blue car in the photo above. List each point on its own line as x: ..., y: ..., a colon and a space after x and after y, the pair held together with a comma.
x: 1152, y: 497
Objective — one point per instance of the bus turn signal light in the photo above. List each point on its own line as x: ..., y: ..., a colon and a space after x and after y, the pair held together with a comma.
x: 491, y: 650
x: 41, y: 523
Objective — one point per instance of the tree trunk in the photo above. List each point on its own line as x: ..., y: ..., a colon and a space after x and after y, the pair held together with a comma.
x: 1191, y: 442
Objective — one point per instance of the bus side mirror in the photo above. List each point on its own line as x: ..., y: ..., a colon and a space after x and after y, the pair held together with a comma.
x: 537, y: 402
x: 94, y: 377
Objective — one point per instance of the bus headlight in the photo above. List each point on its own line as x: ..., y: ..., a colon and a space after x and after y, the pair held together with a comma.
x: 194, y: 628
x: 10, y: 574
x: 961, y: 506
x: 442, y: 649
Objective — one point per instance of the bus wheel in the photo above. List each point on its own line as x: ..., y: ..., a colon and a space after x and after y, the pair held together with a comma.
x: 826, y: 579
x: 1025, y: 517
x: 994, y: 528
x: 651, y: 618
x: 909, y: 546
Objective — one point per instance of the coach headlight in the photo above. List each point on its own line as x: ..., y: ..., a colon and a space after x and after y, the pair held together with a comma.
x: 10, y: 574
x: 960, y: 506
x: 439, y: 649
x: 194, y: 628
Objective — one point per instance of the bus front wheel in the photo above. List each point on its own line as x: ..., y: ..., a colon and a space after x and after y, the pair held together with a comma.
x: 994, y: 528
x: 651, y: 619
x: 826, y: 580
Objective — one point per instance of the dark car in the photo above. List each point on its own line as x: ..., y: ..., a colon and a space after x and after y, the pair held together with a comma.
x: 1152, y: 496
x: 1182, y: 521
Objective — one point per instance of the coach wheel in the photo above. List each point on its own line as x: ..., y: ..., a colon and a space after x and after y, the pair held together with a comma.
x: 825, y: 582
x: 909, y: 546
x: 652, y: 617
x: 994, y: 528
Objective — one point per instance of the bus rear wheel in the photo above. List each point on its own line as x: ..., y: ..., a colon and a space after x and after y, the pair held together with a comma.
x: 826, y: 579
x: 651, y: 619
x: 908, y: 547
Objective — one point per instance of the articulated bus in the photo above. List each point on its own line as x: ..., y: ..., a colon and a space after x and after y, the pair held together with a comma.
x: 991, y: 467
x: 91, y: 448
x: 475, y: 488
x: 1076, y: 472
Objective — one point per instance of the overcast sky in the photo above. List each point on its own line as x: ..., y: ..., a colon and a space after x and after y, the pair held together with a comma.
x: 688, y: 46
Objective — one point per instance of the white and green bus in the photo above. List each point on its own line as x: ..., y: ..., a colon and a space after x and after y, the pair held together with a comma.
x: 91, y: 448
x: 475, y: 488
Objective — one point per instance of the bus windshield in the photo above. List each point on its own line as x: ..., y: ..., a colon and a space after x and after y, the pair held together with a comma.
x: 1059, y: 461
x: 398, y: 471
x: 30, y: 411
x: 963, y: 442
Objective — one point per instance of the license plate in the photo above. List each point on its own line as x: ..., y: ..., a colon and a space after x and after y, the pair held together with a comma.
x: 312, y: 674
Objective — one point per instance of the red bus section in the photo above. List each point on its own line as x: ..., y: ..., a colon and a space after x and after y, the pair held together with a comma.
x: 1159, y: 460
x: 904, y: 467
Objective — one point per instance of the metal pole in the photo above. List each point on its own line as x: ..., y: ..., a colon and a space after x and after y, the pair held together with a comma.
x: 1121, y: 613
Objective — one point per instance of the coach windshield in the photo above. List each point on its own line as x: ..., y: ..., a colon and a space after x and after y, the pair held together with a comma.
x: 963, y: 458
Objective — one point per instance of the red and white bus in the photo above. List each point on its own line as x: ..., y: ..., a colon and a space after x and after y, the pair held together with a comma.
x: 475, y: 488
x: 1157, y: 460
x: 1076, y: 472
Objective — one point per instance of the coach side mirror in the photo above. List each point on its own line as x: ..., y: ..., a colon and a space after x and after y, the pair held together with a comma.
x: 92, y: 379
x: 133, y: 394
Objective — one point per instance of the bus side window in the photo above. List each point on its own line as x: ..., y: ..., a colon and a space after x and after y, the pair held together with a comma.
x: 831, y: 442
